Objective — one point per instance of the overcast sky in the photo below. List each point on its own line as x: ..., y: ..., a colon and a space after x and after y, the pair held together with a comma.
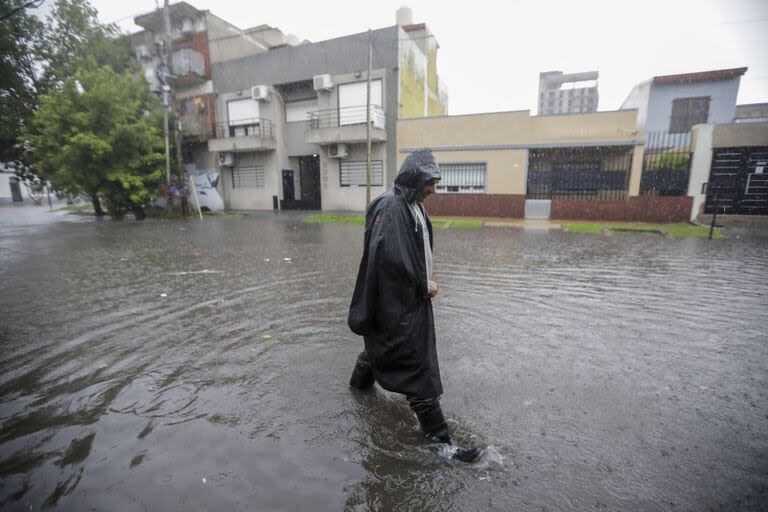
x: 492, y: 52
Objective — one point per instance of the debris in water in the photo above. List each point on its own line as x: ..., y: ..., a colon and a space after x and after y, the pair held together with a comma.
x: 203, y: 480
x: 527, y: 403
x: 163, y: 294
x: 703, y: 387
x: 286, y: 259
x: 204, y: 271
x: 266, y: 259
x: 267, y: 337
x: 103, y: 365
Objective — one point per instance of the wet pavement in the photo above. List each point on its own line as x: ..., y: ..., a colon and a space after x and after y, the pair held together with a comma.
x: 177, y: 365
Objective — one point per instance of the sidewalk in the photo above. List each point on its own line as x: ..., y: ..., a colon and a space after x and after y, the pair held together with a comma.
x: 505, y: 222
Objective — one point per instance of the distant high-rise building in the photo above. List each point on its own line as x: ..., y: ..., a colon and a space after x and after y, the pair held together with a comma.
x: 567, y: 94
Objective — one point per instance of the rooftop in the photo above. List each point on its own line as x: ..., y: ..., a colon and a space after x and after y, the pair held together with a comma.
x: 701, y: 76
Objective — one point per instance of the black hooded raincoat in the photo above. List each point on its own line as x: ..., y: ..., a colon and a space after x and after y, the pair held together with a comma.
x: 390, y: 306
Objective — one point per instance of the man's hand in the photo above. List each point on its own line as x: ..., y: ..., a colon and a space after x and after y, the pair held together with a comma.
x: 431, y: 289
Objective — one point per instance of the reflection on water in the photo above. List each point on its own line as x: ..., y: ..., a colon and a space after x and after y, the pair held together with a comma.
x: 167, y: 365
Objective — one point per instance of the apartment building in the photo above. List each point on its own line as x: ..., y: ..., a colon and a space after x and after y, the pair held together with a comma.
x: 573, y: 93
x: 291, y: 121
x: 199, y: 40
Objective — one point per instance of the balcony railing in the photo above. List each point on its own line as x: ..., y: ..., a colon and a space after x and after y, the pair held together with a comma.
x: 345, y: 116
x: 257, y: 128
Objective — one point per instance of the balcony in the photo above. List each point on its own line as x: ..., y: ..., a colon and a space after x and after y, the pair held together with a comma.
x: 196, y: 126
x: 188, y: 67
x: 344, y: 125
x: 244, y: 135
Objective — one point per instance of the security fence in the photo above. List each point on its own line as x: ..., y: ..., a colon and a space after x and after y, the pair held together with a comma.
x: 588, y: 173
x: 666, y: 164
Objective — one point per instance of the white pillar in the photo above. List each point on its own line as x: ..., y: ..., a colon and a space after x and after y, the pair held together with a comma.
x: 700, y: 166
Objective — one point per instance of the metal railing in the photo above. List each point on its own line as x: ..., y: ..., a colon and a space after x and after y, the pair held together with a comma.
x: 258, y: 127
x: 666, y: 164
x: 584, y: 173
x: 346, y: 116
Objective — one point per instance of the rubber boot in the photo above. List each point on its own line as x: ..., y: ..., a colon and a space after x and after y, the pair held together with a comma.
x: 362, y: 375
x: 433, y: 423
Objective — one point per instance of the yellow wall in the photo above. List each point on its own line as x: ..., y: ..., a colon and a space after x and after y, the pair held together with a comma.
x: 506, y: 167
x: 432, y: 70
x: 435, y: 107
x: 515, y: 128
x: 411, y: 90
x: 414, y: 92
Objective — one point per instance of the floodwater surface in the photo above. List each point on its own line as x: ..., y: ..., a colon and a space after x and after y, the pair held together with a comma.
x: 180, y: 365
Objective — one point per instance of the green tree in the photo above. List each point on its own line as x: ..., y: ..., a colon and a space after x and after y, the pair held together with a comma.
x: 19, y: 82
x: 96, y: 135
x: 36, y: 56
x: 73, y: 33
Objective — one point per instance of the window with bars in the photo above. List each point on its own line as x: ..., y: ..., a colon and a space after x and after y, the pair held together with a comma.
x: 353, y: 173
x: 687, y: 112
x: 469, y: 178
x: 247, y: 177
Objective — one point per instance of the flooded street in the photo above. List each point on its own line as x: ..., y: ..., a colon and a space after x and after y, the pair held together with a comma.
x: 179, y: 365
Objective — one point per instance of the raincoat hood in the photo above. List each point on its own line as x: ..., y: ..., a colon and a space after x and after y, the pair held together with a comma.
x: 417, y: 169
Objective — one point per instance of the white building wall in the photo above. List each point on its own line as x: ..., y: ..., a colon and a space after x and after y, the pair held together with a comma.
x: 722, y: 104
x: 336, y: 197
x: 700, y: 166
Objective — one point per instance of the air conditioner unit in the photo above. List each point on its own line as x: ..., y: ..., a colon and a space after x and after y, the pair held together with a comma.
x: 337, y: 150
x: 322, y: 82
x: 260, y: 93
x: 226, y: 159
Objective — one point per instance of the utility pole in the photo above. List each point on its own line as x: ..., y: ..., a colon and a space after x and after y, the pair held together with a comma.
x: 368, y: 127
x: 166, y: 89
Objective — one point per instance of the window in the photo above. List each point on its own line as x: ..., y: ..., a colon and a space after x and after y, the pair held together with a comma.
x: 241, y: 112
x: 353, y: 174
x: 462, y: 178
x: 247, y: 177
x: 299, y: 110
x: 687, y: 112
x: 353, y: 98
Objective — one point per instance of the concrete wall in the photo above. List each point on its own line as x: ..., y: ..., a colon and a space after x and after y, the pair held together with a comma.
x: 336, y: 197
x: 638, y: 100
x: 295, y: 143
x: 252, y: 198
x: 740, y: 135
x: 346, y: 60
x: 507, y: 129
x: 722, y: 105
x: 709, y: 136
x: 752, y: 113
x: 227, y: 42
x: 501, y: 141
x: 701, y: 164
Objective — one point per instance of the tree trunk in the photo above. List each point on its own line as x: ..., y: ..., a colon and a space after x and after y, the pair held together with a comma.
x: 97, y: 205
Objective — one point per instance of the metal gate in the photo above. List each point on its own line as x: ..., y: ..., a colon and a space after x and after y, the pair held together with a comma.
x: 738, y: 181
x: 666, y: 164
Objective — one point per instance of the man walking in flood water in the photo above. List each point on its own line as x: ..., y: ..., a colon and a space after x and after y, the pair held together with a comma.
x: 392, y: 302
